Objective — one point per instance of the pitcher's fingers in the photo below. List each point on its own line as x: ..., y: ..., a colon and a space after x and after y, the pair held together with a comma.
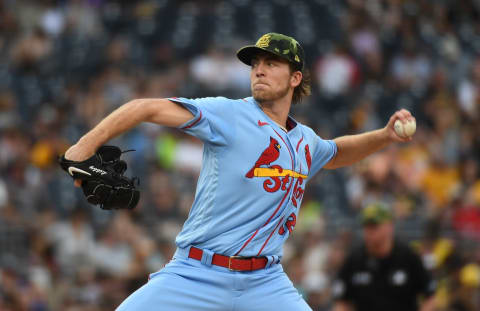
x: 77, y: 183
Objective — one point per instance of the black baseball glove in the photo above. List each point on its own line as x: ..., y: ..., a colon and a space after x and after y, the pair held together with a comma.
x: 102, y: 179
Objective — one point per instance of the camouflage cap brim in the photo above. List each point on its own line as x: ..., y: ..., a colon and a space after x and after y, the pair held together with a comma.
x: 372, y: 222
x: 375, y: 214
x: 248, y: 52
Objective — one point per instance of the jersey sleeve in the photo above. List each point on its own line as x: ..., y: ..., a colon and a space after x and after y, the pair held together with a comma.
x: 211, y: 122
x: 324, y: 151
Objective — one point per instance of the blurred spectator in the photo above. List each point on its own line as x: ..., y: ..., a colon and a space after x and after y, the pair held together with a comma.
x: 410, y: 68
x: 31, y: 50
x: 73, y: 241
x: 218, y: 71
x: 383, y: 273
x: 469, y: 93
x: 336, y: 72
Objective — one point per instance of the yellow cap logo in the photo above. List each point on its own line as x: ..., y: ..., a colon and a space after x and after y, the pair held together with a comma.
x: 263, y: 42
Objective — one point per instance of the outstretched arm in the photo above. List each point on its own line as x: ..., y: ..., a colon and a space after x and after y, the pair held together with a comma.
x: 129, y: 115
x: 353, y: 148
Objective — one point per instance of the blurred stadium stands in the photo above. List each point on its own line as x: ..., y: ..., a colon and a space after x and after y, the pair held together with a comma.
x: 65, y: 64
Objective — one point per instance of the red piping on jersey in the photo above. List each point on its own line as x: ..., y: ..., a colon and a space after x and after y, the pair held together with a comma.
x: 278, y: 207
x: 291, y: 157
x: 274, y: 230
x: 195, y: 122
x: 298, y: 145
x: 276, y: 210
x: 248, y: 241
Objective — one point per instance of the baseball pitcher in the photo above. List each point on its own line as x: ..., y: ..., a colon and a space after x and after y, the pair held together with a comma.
x: 257, y: 161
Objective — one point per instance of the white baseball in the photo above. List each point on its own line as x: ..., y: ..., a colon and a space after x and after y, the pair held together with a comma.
x: 405, y: 130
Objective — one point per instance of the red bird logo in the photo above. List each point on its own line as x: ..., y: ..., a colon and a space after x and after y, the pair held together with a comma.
x: 268, y: 156
x: 308, y: 157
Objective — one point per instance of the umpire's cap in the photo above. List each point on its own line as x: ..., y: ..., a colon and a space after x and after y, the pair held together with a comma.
x: 281, y: 45
x: 375, y: 214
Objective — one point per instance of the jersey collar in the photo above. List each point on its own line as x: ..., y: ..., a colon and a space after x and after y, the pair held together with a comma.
x: 291, y: 122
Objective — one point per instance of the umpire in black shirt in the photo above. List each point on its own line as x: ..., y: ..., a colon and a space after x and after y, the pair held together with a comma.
x: 382, y: 274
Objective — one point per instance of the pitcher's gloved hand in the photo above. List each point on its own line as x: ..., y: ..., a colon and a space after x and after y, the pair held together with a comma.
x: 103, y: 182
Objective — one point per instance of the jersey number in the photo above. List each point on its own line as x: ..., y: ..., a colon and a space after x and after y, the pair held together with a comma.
x: 288, y: 225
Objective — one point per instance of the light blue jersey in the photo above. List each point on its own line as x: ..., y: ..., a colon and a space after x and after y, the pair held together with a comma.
x: 253, y: 177
x: 247, y: 201
x: 246, y: 204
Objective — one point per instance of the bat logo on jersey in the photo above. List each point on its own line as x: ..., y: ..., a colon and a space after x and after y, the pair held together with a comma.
x: 289, y: 224
x: 268, y: 156
x: 279, y: 178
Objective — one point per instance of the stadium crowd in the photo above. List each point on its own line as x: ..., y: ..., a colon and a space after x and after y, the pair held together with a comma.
x: 65, y: 64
